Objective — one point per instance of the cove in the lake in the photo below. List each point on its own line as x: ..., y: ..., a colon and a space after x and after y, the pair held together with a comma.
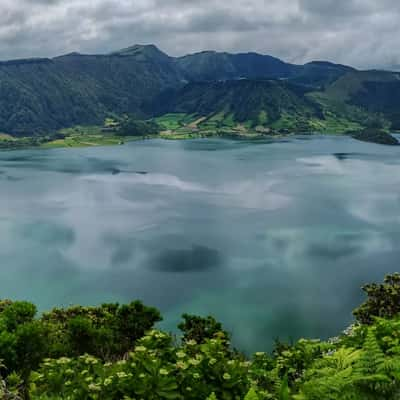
x: 273, y: 238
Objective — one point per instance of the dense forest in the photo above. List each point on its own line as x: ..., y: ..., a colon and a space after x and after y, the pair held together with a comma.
x: 114, y: 352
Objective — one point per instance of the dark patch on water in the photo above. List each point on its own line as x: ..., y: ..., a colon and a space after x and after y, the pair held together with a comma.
x: 14, y: 178
x: 196, y: 259
x: 311, y: 164
x: 346, y: 156
x: 72, y: 165
x: 332, y: 251
x: 123, y: 252
x: 48, y: 233
x: 304, y: 138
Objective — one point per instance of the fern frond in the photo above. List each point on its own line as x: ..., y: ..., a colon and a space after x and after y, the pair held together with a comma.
x: 372, y: 357
x: 251, y: 395
x: 284, y: 389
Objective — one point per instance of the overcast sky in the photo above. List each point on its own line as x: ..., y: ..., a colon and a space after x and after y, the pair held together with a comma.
x: 362, y: 33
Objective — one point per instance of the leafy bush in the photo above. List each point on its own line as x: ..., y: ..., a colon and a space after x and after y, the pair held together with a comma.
x: 107, y: 332
x: 154, y: 370
x: 383, y: 300
x: 159, y: 369
x: 200, y: 329
x: 133, y: 127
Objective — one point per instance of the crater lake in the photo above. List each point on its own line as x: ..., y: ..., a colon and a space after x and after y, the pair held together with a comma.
x: 274, y: 238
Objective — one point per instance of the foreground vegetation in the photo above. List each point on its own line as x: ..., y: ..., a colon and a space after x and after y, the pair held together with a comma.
x: 113, y: 352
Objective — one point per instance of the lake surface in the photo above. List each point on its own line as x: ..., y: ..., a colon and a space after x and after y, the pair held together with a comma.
x: 273, y: 238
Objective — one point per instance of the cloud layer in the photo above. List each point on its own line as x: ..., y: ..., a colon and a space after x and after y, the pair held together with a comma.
x: 362, y: 33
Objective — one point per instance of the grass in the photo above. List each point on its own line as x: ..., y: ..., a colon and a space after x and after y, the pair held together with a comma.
x: 183, y: 126
x: 174, y: 121
x: 84, y: 141
x: 263, y: 118
x: 229, y: 121
x: 180, y: 126
x: 5, y: 136
x: 334, y: 125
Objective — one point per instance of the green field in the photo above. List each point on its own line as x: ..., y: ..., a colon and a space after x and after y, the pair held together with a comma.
x: 84, y: 141
x: 179, y: 126
x: 188, y: 125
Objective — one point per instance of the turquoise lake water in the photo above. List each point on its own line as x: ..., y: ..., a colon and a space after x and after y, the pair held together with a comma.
x: 273, y: 238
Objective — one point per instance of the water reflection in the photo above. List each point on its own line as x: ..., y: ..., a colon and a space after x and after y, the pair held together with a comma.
x: 273, y: 238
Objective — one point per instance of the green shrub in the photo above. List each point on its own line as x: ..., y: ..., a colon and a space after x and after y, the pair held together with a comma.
x: 200, y: 329
x: 383, y: 300
x: 156, y: 369
x: 134, y: 127
x: 17, y: 314
x: 107, y: 332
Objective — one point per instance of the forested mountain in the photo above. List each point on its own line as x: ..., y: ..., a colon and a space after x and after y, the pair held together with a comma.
x: 319, y: 74
x: 258, y: 102
x: 373, y: 91
x: 211, y: 66
x: 46, y: 94
x: 43, y: 95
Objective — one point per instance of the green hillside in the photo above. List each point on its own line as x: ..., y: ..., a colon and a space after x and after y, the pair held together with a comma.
x: 213, y: 90
x: 212, y: 66
x: 263, y: 106
x: 319, y: 74
x: 38, y: 96
x: 347, y: 86
x: 364, y: 94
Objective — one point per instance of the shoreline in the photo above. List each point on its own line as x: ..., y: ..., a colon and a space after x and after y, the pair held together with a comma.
x: 83, y: 141
x: 97, y: 140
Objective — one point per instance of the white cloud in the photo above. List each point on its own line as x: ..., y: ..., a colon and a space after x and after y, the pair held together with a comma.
x: 357, y: 32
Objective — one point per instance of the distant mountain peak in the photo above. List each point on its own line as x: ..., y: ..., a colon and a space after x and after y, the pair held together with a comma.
x: 73, y: 54
x: 328, y: 64
x: 144, y: 50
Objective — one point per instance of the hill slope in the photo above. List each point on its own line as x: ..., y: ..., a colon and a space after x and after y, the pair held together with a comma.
x: 254, y: 102
x: 211, y: 66
x: 362, y: 94
x: 43, y: 95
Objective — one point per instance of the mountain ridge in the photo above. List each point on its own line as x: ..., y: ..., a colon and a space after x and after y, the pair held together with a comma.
x: 41, y: 95
x: 137, y: 49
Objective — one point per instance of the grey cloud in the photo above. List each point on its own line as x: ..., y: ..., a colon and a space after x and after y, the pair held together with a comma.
x: 337, y: 7
x: 358, y: 32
